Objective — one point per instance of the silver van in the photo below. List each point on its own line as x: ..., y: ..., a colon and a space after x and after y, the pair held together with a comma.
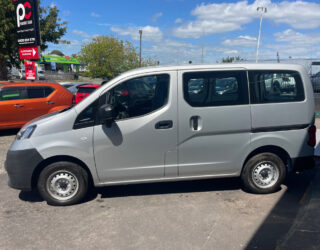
x: 169, y: 124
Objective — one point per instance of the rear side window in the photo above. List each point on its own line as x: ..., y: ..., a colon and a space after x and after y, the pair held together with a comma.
x: 275, y: 86
x: 11, y: 93
x: 86, y: 90
x: 217, y: 88
x: 39, y: 92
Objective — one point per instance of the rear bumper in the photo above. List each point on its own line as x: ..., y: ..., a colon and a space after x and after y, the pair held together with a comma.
x: 20, y: 165
x: 303, y: 163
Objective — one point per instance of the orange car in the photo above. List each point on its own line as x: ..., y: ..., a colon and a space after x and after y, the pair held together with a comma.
x: 22, y: 102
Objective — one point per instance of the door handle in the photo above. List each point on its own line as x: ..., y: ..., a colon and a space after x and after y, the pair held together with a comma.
x: 194, y: 123
x: 50, y: 102
x: 164, y: 125
x: 18, y: 105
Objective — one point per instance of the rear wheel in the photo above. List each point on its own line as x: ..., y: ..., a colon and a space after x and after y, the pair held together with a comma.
x: 63, y: 183
x: 263, y: 173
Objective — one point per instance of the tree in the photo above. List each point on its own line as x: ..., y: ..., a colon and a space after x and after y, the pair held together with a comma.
x: 51, y: 30
x: 107, y: 56
x: 231, y: 59
x: 56, y: 52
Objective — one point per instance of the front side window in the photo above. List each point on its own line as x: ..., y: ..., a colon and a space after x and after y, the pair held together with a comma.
x: 11, y: 93
x: 205, y: 89
x: 275, y: 86
x: 138, y: 96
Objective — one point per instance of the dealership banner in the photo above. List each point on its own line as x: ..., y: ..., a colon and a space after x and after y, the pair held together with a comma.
x: 27, y: 22
x: 30, y: 69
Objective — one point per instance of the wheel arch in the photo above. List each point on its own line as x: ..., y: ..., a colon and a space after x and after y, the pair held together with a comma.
x: 58, y: 158
x: 283, y: 154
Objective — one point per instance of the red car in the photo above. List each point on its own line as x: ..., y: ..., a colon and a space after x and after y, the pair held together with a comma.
x: 85, y: 90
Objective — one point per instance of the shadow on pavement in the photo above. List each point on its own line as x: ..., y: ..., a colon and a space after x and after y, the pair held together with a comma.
x: 8, y: 132
x: 282, y: 217
x: 170, y: 187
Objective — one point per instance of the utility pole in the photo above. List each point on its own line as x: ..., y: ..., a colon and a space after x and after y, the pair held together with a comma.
x: 140, y: 32
x: 262, y: 11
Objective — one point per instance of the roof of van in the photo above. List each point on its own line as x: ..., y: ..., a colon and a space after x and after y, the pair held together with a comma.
x: 248, y: 66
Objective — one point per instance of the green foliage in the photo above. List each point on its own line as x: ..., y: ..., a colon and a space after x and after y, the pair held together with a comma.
x: 56, y: 52
x: 107, y: 56
x: 231, y: 59
x: 51, y: 29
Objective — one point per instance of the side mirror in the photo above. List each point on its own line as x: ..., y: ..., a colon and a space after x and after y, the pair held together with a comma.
x: 107, y: 113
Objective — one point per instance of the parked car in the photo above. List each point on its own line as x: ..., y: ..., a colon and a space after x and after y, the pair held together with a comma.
x: 85, y: 90
x: 22, y: 102
x: 315, y: 80
x: 165, y: 132
x: 72, y: 86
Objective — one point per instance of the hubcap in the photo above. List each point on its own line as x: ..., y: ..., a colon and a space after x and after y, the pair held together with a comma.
x: 62, y: 185
x: 265, y: 174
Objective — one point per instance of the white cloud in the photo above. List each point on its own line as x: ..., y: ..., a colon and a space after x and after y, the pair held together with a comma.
x: 292, y: 37
x: 242, y: 41
x: 149, y: 33
x: 156, y: 16
x: 178, y: 20
x: 52, y: 5
x: 83, y: 34
x: 66, y: 13
x: 226, y: 17
x: 93, y: 14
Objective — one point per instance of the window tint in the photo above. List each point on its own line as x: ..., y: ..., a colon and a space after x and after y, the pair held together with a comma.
x: 138, y: 96
x: 86, y: 117
x: 39, y: 92
x: 203, y: 89
x: 86, y: 89
x: 275, y: 86
x: 11, y: 93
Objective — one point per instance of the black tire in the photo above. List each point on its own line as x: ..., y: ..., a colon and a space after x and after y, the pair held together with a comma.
x: 66, y: 175
x: 251, y: 175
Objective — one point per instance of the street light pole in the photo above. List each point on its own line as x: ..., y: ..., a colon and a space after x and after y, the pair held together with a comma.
x: 140, y: 32
x: 262, y: 10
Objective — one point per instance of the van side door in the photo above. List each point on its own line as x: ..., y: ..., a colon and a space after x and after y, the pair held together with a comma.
x: 214, y: 121
x: 141, y: 142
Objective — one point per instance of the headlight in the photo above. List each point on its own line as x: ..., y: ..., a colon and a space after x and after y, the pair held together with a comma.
x: 26, y: 132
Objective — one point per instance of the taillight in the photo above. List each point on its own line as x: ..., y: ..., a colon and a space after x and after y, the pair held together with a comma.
x: 312, y: 136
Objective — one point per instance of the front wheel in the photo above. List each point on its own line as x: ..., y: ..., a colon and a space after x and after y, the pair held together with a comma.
x: 63, y: 183
x: 263, y: 173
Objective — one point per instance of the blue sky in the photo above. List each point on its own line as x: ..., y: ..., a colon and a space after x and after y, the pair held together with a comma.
x: 174, y: 31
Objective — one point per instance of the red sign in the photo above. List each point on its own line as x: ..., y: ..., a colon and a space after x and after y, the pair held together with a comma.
x: 30, y: 69
x: 29, y: 53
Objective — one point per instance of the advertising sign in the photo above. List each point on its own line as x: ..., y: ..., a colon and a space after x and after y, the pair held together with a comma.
x: 29, y: 53
x: 27, y: 18
x: 30, y: 69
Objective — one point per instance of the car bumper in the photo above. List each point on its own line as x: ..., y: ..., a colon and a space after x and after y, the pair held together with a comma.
x: 303, y: 163
x: 20, y: 165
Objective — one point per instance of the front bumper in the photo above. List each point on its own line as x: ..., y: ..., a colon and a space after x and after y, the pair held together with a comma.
x: 20, y: 165
x: 303, y: 163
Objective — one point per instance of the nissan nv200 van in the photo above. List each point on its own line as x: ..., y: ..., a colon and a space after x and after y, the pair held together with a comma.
x: 169, y: 124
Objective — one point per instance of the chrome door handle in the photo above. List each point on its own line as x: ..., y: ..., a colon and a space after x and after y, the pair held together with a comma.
x: 18, y: 105
x: 50, y: 102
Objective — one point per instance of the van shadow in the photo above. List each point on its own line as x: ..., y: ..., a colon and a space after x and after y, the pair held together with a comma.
x: 283, y: 216
x: 8, y: 132
x: 114, y: 133
x: 170, y: 187
x: 148, y: 189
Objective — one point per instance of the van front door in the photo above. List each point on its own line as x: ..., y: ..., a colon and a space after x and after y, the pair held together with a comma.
x: 214, y: 122
x: 142, y: 139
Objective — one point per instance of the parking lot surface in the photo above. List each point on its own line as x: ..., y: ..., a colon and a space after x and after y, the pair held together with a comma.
x: 208, y: 214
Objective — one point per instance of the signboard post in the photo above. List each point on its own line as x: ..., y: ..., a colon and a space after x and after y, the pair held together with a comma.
x: 30, y: 69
